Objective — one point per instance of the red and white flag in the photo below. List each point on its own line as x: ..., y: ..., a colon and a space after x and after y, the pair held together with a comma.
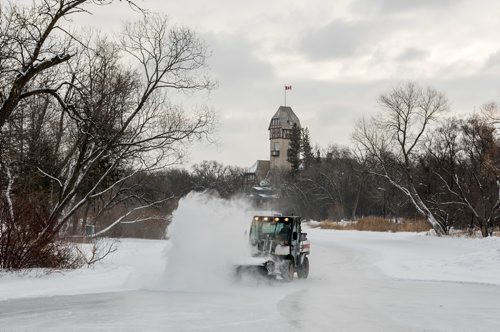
x: 288, y: 87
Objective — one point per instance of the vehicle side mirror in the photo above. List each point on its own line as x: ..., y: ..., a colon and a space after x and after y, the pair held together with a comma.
x: 295, y: 236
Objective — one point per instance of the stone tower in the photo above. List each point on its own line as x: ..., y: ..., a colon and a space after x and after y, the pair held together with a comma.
x: 280, y: 130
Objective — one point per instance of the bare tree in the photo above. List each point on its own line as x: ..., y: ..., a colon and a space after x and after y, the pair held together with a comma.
x: 465, y: 159
x: 394, y: 138
x: 33, y: 40
x: 109, y: 118
x: 491, y: 113
x: 211, y: 175
x: 325, y: 189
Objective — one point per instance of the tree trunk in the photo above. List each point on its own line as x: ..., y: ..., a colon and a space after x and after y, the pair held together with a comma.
x: 356, y: 201
x: 424, y: 210
x: 484, y: 229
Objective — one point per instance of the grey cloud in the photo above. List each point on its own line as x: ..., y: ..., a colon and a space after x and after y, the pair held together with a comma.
x: 330, y: 109
x: 247, y: 96
x: 341, y: 39
x: 240, y: 73
x: 396, y: 6
x: 467, y: 93
x: 233, y: 60
x: 412, y: 54
x: 493, y: 61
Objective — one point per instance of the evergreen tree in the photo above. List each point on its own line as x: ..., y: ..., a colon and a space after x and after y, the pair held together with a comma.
x: 294, y: 149
x: 306, y: 149
x: 318, y: 156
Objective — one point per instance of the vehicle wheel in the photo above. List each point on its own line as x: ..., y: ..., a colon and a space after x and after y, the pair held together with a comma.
x: 303, y: 271
x: 287, y: 271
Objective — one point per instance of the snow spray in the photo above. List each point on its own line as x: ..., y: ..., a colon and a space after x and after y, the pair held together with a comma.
x: 208, y: 237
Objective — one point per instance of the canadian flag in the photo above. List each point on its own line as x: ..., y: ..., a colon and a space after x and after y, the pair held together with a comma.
x: 288, y: 87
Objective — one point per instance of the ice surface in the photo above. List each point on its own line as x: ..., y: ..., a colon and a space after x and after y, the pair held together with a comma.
x: 359, y: 281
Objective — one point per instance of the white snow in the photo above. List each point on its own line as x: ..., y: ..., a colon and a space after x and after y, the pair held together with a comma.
x: 253, y: 168
x: 208, y: 238
x: 359, y: 281
x: 127, y: 268
x: 421, y: 257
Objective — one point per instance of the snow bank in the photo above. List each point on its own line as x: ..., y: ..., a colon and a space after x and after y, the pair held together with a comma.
x: 420, y: 257
x: 135, y: 262
x: 443, y: 259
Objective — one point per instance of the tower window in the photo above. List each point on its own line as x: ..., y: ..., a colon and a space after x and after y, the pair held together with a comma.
x: 276, y: 146
x: 275, y: 122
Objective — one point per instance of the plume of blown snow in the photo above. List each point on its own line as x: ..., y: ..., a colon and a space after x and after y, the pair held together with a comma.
x: 208, y: 238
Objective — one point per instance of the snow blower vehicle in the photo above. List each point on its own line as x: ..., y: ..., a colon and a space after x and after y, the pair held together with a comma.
x: 279, y: 248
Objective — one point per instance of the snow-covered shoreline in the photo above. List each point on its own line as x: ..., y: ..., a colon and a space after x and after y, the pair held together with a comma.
x: 125, y: 269
x: 417, y: 256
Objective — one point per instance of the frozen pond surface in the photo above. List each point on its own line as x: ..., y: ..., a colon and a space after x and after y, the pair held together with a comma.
x: 353, y: 286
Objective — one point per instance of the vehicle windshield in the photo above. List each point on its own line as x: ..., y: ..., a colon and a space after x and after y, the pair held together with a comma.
x: 263, y: 229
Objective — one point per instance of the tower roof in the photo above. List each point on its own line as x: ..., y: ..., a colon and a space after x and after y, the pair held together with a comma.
x: 287, y: 118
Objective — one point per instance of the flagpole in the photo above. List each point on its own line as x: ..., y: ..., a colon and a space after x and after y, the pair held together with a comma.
x: 285, y: 96
x: 287, y: 87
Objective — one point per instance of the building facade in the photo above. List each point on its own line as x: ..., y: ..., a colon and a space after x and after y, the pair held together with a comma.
x: 257, y: 178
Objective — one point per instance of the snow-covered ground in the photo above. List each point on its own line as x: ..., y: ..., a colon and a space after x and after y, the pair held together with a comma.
x: 359, y: 281
x: 126, y: 269
x: 426, y: 258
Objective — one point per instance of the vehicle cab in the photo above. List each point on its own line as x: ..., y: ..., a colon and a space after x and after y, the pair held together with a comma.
x: 279, y: 237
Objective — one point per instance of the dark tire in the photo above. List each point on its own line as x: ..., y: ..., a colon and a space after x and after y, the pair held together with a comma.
x: 303, y: 271
x: 287, y: 271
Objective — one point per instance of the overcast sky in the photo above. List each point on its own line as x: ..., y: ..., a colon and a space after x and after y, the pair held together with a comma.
x: 339, y: 56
